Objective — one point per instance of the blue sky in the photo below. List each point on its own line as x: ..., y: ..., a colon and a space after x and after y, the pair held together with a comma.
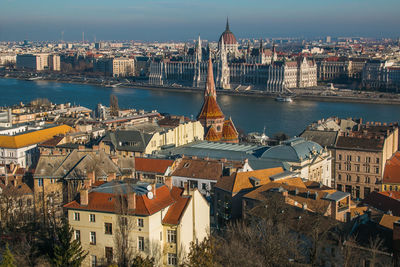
x: 185, y: 19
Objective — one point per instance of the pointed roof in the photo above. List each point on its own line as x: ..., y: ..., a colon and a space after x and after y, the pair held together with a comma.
x: 227, y: 24
x: 229, y: 37
x: 212, y: 135
x: 210, y: 109
x: 210, y: 85
x: 229, y: 132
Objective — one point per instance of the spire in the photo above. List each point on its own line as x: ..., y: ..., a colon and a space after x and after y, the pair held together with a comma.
x: 210, y: 85
x: 199, y: 56
x: 227, y: 24
x: 261, y: 46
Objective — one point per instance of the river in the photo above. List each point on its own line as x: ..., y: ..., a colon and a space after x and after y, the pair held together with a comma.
x: 248, y: 113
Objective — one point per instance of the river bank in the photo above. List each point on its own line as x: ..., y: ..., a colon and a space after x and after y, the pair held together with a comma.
x: 298, y: 94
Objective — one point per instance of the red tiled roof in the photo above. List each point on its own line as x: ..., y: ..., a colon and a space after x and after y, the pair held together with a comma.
x: 391, y: 174
x: 105, y: 202
x: 152, y: 165
x: 199, y: 169
x: 229, y: 132
x: 177, y: 209
x: 212, y: 135
x: 210, y: 109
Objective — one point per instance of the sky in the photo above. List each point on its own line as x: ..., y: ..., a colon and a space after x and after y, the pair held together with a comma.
x: 182, y: 20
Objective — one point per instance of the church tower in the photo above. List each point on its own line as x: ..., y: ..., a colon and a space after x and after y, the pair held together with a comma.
x: 216, y: 128
x: 223, y: 79
x: 197, y: 64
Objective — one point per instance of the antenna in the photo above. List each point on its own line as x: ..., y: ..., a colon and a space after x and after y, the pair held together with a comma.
x: 62, y: 36
x: 83, y: 37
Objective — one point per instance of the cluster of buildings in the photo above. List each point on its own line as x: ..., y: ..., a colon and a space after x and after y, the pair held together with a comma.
x: 255, y: 68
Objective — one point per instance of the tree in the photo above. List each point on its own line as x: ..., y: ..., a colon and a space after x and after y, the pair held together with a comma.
x: 202, y: 254
x: 8, y: 258
x: 139, y: 261
x: 114, y: 105
x: 67, y: 252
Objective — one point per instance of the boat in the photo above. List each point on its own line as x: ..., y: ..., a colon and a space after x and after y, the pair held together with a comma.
x: 284, y: 99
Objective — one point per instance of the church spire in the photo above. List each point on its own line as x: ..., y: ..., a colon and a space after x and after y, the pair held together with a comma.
x: 210, y: 85
x: 227, y: 24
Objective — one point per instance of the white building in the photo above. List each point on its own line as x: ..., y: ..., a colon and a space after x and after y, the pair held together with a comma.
x: 19, y: 144
x: 123, y: 67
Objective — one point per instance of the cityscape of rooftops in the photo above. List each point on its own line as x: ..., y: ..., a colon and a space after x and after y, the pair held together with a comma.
x: 199, y: 133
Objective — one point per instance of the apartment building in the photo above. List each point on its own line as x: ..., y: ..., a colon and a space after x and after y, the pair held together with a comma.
x: 361, y: 157
x: 160, y: 221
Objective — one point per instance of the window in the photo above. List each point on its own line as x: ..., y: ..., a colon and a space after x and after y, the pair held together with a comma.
x: 339, y: 177
x: 358, y: 179
x: 93, y: 238
x: 377, y: 170
x: 367, y: 169
x: 339, y: 166
x: 109, y: 254
x: 377, y: 161
x: 348, y: 167
x: 140, y: 222
x: 171, y: 236
x: 77, y: 216
x: 358, y: 158
x: 94, y: 261
x: 29, y: 202
x: 92, y: 217
x: 348, y: 158
x: 340, y: 157
x: 141, y: 243
x: 368, y: 159
x: 52, y: 181
x: 40, y: 182
x: 204, y: 186
x: 348, y: 178
x: 357, y: 167
x: 108, y: 228
x: 367, y: 180
x: 172, y: 259
x: 78, y: 235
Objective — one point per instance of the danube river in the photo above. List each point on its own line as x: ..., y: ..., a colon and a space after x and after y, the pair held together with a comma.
x: 249, y: 113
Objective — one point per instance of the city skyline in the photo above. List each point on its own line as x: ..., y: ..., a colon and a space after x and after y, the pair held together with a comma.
x: 182, y: 20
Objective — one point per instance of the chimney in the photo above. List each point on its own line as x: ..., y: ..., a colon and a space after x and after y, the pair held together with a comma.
x: 96, y: 147
x: 168, y: 182
x: 111, y: 176
x: 92, y: 176
x: 131, y: 198
x: 194, y: 157
x: 81, y: 147
x: 206, y: 158
x: 153, y: 189
x: 84, y: 194
x: 186, y: 188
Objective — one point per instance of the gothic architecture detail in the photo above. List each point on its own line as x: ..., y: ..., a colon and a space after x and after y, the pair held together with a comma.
x: 216, y: 128
x: 251, y: 67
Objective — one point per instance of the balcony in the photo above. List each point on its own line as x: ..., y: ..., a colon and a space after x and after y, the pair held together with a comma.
x: 342, y: 208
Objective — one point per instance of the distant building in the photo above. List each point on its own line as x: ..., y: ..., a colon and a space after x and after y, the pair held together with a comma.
x: 38, y: 62
x: 381, y: 74
x: 391, y: 174
x: 123, y: 67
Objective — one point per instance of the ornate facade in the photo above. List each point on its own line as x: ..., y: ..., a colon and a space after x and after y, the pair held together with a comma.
x: 260, y: 69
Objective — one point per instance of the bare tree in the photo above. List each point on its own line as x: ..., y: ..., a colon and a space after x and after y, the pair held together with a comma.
x: 114, y: 105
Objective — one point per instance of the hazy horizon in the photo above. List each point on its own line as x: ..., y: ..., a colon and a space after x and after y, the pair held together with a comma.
x: 156, y: 20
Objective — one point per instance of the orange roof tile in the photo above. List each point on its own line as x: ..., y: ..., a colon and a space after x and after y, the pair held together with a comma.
x: 31, y: 138
x: 152, y: 165
x: 210, y: 109
x: 391, y: 174
x: 212, y: 135
x: 229, y: 132
x: 177, y: 209
x: 241, y: 180
x: 388, y: 220
x: 105, y: 202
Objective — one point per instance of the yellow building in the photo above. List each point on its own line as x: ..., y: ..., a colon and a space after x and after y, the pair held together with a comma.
x: 156, y: 220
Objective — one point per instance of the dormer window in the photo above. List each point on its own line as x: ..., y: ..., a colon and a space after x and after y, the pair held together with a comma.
x: 254, y: 181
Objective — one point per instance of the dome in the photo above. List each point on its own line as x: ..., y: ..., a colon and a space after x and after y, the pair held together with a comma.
x: 229, y: 37
x: 294, y: 150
